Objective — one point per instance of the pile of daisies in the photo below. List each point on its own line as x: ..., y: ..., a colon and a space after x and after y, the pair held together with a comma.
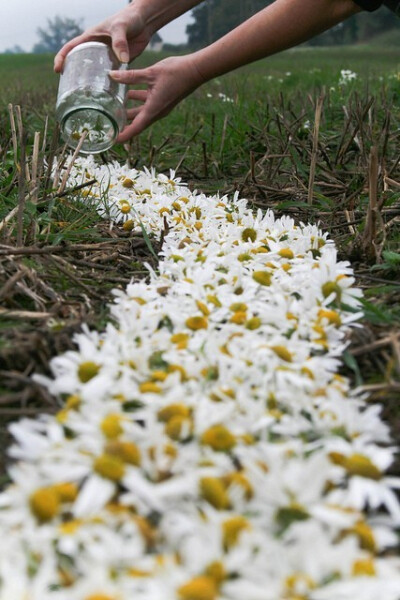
x: 206, y: 447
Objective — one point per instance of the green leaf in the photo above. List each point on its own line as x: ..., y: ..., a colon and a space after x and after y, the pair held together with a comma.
x: 146, y: 238
x: 156, y: 361
x: 352, y: 364
x: 374, y: 314
x: 391, y: 257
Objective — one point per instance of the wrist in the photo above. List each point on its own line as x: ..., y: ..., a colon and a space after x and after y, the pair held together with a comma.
x: 141, y: 9
x: 149, y: 12
x: 199, y: 66
x: 157, y: 13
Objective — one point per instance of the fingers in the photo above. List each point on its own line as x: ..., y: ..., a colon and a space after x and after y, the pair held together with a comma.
x: 129, y: 77
x: 119, y: 42
x: 132, y: 113
x: 140, y: 95
x: 61, y: 54
x: 141, y: 120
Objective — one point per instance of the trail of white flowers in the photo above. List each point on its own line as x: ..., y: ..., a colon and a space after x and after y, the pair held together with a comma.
x: 206, y: 447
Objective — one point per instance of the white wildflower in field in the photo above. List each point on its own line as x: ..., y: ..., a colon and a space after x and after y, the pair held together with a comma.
x: 347, y: 76
x: 225, y: 98
x: 206, y: 446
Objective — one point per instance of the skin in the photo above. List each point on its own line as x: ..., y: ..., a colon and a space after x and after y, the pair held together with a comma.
x: 279, y: 26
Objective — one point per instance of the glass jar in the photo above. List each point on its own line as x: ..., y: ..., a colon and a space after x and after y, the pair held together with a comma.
x: 90, y: 102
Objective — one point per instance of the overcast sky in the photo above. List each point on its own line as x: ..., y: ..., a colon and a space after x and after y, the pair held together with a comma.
x: 19, y: 19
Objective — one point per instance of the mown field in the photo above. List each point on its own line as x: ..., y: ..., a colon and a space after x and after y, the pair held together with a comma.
x: 290, y: 133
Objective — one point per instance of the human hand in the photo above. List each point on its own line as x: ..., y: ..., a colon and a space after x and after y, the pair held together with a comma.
x: 168, y: 82
x: 126, y: 31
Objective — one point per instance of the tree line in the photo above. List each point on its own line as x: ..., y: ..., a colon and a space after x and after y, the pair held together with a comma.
x: 214, y: 18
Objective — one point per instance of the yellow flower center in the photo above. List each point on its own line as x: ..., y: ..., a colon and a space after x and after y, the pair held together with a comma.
x: 308, y: 372
x: 216, y: 570
x: 299, y: 580
x: 214, y: 300
x: 286, y: 253
x: 44, y: 504
x: 109, y: 466
x: 196, y: 323
x: 179, y: 427
x: 198, y: 588
x: 149, y: 387
x: 70, y: 527
x: 178, y: 368
x: 72, y: 402
x: 331, y: 315
x: 238, y: 479
x: 283, y: 353
x: 127, y: 183
x: 66, y: 492
x: 356, y: 464
x: 232, y: 528
x: 111, y: 426
x: 158, y: 375
x: 253, y: 323
x: 364, y: 567
x: 219, y: 438
x: 214, y: 492
x: 364, y: 534
x: 203, y: 308
x: 332, y: 287
x: 87, y: 370
x: 249, y: 234
x: 173, y: 410
x: 239, y: 318
x: 262, y: 277
x: 128, y: 452
x: 238, y: 307
x: 181, y: 340
x: 138, y: 573
x: 128, y: 225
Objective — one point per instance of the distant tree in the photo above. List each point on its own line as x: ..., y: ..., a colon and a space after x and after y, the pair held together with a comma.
x: 383, y: 20
x: 58, y: 31
x: 14, y: 50
x: 360, y: 28
x: 214, y: 18
x: 343, y: 33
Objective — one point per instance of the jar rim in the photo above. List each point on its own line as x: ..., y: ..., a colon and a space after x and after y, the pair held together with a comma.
x: 88, y: 45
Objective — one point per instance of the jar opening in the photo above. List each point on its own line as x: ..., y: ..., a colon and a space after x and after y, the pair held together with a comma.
x: 100, y: 128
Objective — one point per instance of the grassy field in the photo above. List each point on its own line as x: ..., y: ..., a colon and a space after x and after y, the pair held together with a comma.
x: 252, y: 132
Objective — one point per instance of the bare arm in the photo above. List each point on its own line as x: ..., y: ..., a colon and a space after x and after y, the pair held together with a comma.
x: 281, y: 25
x: 160, y: 12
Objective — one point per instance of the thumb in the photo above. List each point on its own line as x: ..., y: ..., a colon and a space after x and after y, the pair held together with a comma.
x: 120, y: 44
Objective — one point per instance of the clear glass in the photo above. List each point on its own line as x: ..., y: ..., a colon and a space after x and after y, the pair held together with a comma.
x: 88, y: 100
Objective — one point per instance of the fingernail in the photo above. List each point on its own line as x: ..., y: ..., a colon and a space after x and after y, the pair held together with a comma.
x: 124, y: 57
x: 115, y: 74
